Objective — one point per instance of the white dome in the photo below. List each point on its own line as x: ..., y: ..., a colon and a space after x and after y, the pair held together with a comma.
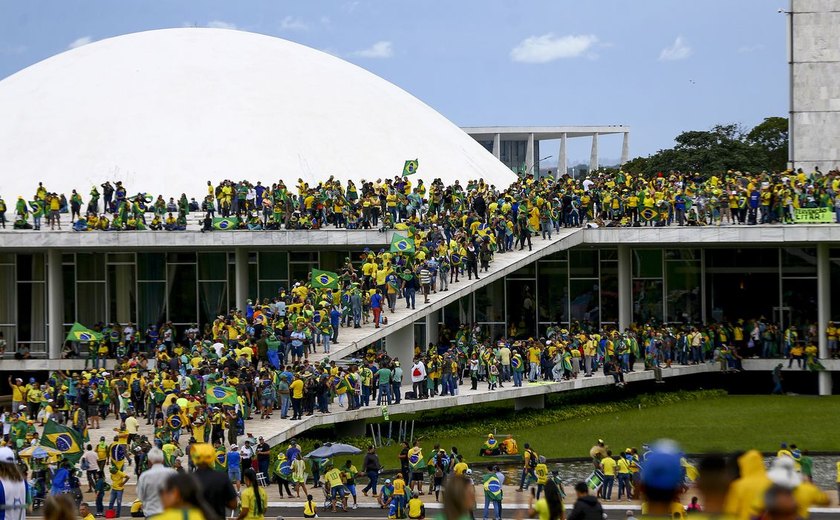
x: 165, y: 111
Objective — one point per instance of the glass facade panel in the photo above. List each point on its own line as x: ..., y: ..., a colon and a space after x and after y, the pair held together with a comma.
x: 683, y: 300
x: 274, y: 266
x: 736, y: 295
x: 121, y: 292
x: 583, y: 263
x: 300, y: 271
x: 746, y: 257
x: 528, y: 271
x: 68, y: 278
x: 212, y: 266
x: 32, y: 311
x: 90, y: 266
x: 182, y: 304
x: 800, y: 296
x: 151, y: 297
x: 213, y: 298
x: 490, y: 302
x: 30, y: 268
x: 91, y: 303
x: 799, y: 261
x: 7, y: 294
x: 609, y: 292
x: 583, y: 304
x: 270, y: 289
x: 458, y: 312
x: 835, y: 289
x: 647, y: 300
x: 553, y: 292
x: 151, y: 266
x: 522, y: 308
x: 647, y: 263
x: 181, y: 257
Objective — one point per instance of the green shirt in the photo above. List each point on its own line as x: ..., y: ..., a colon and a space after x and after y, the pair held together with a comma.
x: 384, y: 375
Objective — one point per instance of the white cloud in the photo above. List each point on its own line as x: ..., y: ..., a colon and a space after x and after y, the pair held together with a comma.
x: 79, y: 42
x: 381, y: 49
x: 548, y: 47
x: 221, y: 24
x: 292, y: 23
x: 679, y: 50
x: 751, y: 48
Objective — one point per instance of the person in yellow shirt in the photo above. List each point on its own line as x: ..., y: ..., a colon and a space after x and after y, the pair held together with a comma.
x: 84, y: 512
x: 399, y: 493
x: 296, y: 389
x: 310, y: 508
x: 608, y: 466
x: 623, y: 469
x: 335, y: 481
x: 118, y: 480
x: 253, y: 500
x: 416, y: 509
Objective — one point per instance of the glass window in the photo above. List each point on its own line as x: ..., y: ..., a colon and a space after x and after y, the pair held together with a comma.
x: 683, y: 299
x: 121, y: 257
x: 212, y: 266
x: 609, y: 254
x: 682, y: 254
x: 583, y: 263
x: 458, y: 312
x: 68, y: 278
x: 7, y: 258
x: 32, y: 311
x: 647, y: 300
x: 490, y: 302
x: 799, y: 261
x: 834, y: 289
x: 332, y: 260
x: 647, y: 263
x: 90, y: 302
x: 528, y: 271
x: 151, y: 266
x: 800, y: 295
x: 182, y: 303
x: 559, y: 255
x: 274, y: 266
x: 151, y: 299
x: 303, y: 256
x: 521, y: 305
x: 746, y: 257
x: 553, y: 292
x: 270, y: 289
x: 609, y: 292
x: 121, y: 289
x: 30, y: 268
x: 735, y: 295
x: 7, y: 294
x: 583, y: 300
x: 90, y: 266
x: 213, y: 298
x: 185, y: 257
x: 298, y: 272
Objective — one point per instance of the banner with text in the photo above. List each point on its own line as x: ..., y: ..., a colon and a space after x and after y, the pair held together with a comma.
x: 813, y: 215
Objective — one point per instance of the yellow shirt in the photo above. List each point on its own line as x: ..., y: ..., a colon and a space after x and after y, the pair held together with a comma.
x: 297, y: 389
x: 399, y: 487
x: 333, y: 476
x: 609, y: 465
x: 249, y: 500
x: 180, y: 514
x: 17, y: 393
x: 461, y: 467
x: 118, y: 481
x: 414, y: 508
x: 623, y: 466
x: 89, y: 517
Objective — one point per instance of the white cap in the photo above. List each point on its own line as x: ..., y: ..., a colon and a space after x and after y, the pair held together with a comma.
x: 234, y: 447
x: 7, y: 455
x: 22, y: 407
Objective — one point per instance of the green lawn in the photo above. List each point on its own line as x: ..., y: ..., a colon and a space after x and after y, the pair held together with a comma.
x: 727, y: 424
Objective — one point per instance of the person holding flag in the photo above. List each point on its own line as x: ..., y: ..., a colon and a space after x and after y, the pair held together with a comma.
x: 493, y: 492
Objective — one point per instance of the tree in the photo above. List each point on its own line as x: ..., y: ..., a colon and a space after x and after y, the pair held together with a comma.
x: 722, y: 148
x: 772, y: 135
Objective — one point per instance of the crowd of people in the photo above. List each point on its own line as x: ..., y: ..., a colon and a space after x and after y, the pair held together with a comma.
x: 600, y: 198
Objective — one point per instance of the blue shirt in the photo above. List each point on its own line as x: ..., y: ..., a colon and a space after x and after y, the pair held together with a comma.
x: 376, y: 301
x: 292, y: 453
x: 233, y: 459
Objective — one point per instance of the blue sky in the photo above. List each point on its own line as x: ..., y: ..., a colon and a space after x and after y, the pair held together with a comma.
x: 660, y: 66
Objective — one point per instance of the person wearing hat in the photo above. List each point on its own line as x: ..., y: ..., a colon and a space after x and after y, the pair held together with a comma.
x: 13, y: 486
x: 18, y: 392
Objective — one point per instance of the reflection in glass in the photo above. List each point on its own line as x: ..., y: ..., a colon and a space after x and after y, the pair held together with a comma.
x: 647, y: 300
x: 583, y: 296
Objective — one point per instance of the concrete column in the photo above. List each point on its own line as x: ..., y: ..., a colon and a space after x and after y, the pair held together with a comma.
x: 593, y: 155
x: 562, y: 167
x: 625, y: 149
x: 529, y: 155
x: 625, y: 288
x: 531, y: 402
x: 497, y: 146
x: 823, y: 312
x: 241, y: 277
x: 55, y: 305
x: 400, y: 344
x: 432, y: 327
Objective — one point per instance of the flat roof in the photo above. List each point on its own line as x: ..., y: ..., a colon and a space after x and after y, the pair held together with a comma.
x: 542, y: 133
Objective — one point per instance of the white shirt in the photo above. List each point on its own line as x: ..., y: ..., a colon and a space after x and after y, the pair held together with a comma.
x: 418, y: 372
x: 148, y: 488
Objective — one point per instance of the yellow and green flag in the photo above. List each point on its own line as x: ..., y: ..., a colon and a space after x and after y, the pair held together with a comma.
x: 400, y: 244
x: 225, y: 223
x: 119, y: 452
x: 66, y: 440
x: 221, y: 459
x: 410, y: 167
x: 37, y: 208
x: 82, y: 334
x: 222, y: 395
x: 324, y: 279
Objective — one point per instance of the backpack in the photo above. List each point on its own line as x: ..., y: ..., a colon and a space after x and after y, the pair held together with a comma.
x: 135, y: 386
x: 532, y: 459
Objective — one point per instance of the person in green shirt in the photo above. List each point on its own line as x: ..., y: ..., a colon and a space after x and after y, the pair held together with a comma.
x: 350, y: 473
x: 384, y: 375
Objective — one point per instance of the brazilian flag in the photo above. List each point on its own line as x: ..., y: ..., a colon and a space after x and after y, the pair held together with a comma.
x: 119, y: 452
x: 37, y: 208
x: 410, y: 167
x: 222, y: 394
x: 324, y: 279
x: 82, y: 334
x: 648, y: 213
x: 492, y: 487
x: 174, y: 422
x: 225, y: 223
x: 455, y: 259
x: 416, y: 461
x: 221, y: 459
x: 400, y: 244
x: 64, y: 439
